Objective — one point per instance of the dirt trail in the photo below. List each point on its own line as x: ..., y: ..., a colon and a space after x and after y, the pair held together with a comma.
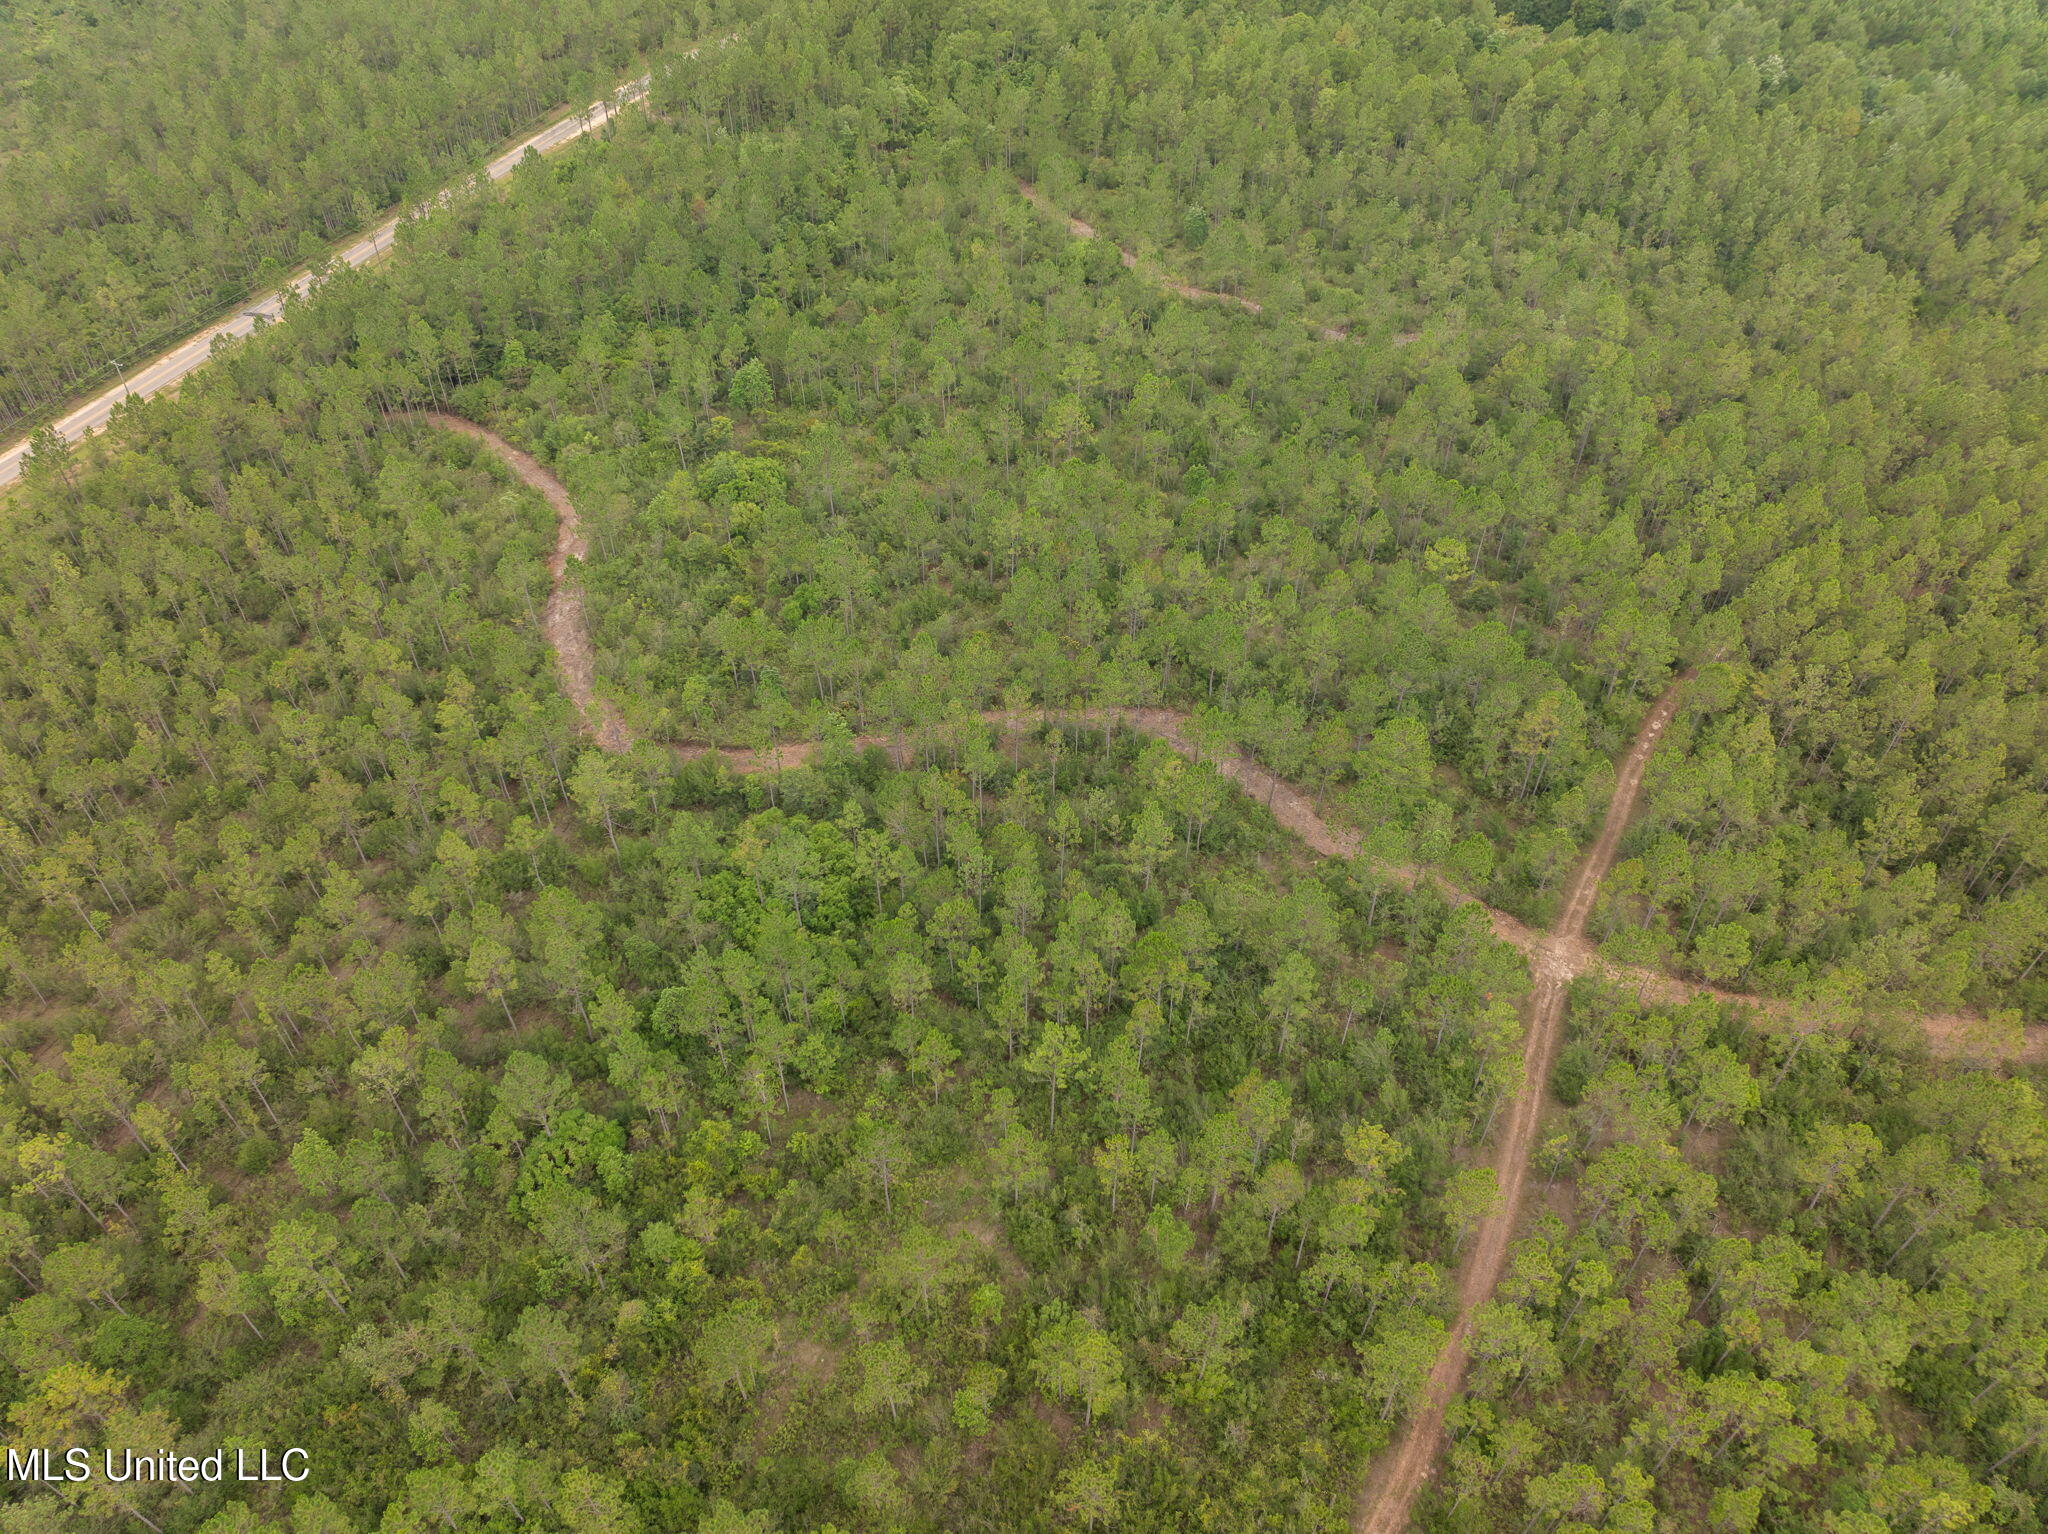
x: 568, y: 634
x: 1387, y: 1501
x: 1565, y: 947
x: 1081, y: 229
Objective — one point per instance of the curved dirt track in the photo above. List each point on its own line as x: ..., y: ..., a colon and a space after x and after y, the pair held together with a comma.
x: 1081, y: 229
x: 1557, y: 956
x: 1565, y: 945
x: 568, y: 635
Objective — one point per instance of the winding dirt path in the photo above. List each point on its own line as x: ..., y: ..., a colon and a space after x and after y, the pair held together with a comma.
x: 568, y: 634
x: 1565, y: 944
x: 1081, y: 229
x: 1557, y: 957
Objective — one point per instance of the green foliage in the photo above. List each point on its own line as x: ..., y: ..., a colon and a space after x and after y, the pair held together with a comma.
x: 160, y: 166
x: 550, y: 1136
x: 1746, y: 1342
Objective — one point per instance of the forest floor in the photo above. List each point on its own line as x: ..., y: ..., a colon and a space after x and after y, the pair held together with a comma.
x: 1556, y: 957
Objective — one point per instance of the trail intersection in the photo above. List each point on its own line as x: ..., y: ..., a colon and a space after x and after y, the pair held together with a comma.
x: 1557, y: 956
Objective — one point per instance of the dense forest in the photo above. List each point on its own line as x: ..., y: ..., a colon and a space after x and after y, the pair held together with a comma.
x: 158, y: 161
x: 1019, y: 1129
x: 1786, y: 1289
x: 1494, y: 531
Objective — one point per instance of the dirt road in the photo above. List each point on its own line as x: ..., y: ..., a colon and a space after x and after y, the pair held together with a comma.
x: 1388, y: 1498
x: 1387, y: 1501
x: 1565, y: 947
x: 168, y: 369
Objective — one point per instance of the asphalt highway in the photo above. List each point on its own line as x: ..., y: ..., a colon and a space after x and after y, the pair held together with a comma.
x: 166, y: 370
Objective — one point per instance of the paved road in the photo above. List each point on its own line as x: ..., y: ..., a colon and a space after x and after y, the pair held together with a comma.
x: 173, y: 365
